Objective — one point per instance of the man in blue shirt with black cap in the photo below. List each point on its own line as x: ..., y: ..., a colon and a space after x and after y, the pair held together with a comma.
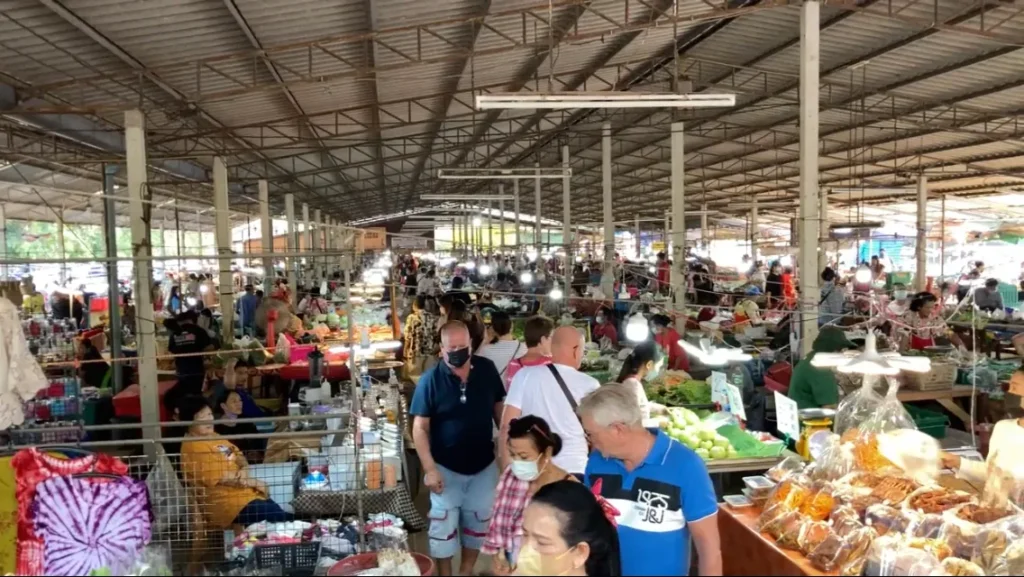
x: 454, y: 409
x: 661, y: 488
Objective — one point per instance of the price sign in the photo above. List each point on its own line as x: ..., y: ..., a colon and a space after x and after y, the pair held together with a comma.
x: 736, y: 402
x: 786, y: 413
x: 719, y: 393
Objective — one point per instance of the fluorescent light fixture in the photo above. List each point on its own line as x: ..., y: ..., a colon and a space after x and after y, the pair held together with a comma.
x: 870, y: 361
x: 338, y: 349
x: 465, y: 197
x: 501, y: 173
x: 385, y: 345
x: 570, y: 100
x: 867, y: 224
x: 714, y: 356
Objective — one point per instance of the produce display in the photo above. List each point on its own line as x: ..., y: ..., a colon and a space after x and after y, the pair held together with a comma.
x: 726, y: 442
x: 877, y: 521
x: 675, y: 388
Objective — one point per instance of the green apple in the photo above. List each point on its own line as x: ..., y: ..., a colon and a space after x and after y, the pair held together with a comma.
x: 703, y: 454
x: 707, y: 435
x: 717, y: 452
x: 732, y: 453
x: 706, y: 445
x: 721, y: 441
x: 690, y: 441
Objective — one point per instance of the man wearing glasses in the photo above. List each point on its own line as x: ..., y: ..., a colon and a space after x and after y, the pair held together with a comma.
x: 454, y: 409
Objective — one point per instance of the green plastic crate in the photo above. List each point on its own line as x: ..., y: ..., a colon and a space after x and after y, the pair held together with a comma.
x: 929, y: 422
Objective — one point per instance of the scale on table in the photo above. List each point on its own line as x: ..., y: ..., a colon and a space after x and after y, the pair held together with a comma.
x: 815, y: 428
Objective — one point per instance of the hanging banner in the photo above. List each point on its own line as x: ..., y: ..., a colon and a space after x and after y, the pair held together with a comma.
x: 410, y: 242
x: 372, y: 239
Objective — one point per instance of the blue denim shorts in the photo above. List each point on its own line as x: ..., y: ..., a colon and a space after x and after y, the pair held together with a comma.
x: 461, y: 514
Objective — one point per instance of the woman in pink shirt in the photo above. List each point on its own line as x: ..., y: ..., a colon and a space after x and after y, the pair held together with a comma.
x: 537, y: 335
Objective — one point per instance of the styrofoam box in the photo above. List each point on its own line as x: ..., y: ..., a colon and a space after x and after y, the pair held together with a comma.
x: 281, y: 478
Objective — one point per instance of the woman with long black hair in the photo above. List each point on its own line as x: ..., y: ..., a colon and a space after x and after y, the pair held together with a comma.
x: 645, y: 362
x: 567, y: 532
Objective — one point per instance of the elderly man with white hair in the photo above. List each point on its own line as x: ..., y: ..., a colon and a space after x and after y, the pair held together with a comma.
x: 454, y: 409
x: 661, y: 488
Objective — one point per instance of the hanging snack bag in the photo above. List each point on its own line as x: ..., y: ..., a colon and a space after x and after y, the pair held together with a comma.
x: 858, y: 406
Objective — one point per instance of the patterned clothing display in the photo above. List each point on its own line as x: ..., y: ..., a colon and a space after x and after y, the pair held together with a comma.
x: 32, y: 468
x: 8, y: 518
x: 88, y: 523
x: 20, y: 375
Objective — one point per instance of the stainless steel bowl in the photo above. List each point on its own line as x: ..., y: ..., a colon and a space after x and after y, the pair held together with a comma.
x: 815, y: 414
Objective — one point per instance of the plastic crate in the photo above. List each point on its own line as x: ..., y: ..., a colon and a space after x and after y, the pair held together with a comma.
x: 288, y: 556
x: 929, y: 422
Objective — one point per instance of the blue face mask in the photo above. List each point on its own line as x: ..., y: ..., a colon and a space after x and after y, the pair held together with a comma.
x: 459, y: 357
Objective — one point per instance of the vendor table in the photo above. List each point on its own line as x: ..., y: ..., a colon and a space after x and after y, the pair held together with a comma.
x: 396, y: 501
x: 750, y: 552
x: 946, y: 398
x: 752, y: 465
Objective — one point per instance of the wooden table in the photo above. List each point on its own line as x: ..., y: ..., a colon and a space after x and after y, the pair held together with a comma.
x: 748, y: 552
x: 946, y: 398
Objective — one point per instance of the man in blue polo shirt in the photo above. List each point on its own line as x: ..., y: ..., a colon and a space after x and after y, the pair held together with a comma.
x: 661, y: 489
x: 454, y: 409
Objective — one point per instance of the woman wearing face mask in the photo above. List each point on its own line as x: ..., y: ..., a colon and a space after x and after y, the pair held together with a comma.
x: 566, y: 531
x: 1004, y: 456
x: 604, y: 327
x: 644, y: 363
x: 532, y: 445
x: 229, y: 405
x: 922, y: 326
x: 668, y: 339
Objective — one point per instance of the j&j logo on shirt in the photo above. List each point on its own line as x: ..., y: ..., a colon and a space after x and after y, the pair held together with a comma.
x: 652, y: 506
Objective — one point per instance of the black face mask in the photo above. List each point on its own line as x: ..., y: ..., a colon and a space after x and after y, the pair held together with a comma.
x: 1012, y: 406
x: 459, y: 357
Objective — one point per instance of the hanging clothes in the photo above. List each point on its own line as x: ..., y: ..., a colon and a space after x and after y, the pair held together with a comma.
x: 88, y: 524
x: 31, y: 468
x: 8, y: 518
x: 20, y: 375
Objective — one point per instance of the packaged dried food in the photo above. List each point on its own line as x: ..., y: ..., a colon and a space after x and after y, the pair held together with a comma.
x: 813, y: 534
x: 856, y: 407
x: 864, y: 502
x: 864, y: 480
x: 889, y: 556
x: 963, y: 545
x: 820, y: 504
x: 936, y: 547
x: 889, y: 415
x: 835, y: 461
x: 829, y: 554
x: 771, y: 516
x: 885, y: 519
x: 894, y: 490
x: 982, y: 515
x: 955, y: 567
x: 844, y: 516
x: 925, y: 526
x: 790, y: 493
x: 991, y: 545
x: 1015, y: 558
x: 785, y: 468
x: 788, y: 535
x: 936, y: 500
x: 855, y: 548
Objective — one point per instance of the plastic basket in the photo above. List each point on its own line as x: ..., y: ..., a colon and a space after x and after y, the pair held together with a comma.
x: 287, y: 556
x: 929, y: 422
x: 941, y: 376
x: 356, y: 564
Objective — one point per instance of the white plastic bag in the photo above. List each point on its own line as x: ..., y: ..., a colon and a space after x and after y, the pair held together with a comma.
x: 857, y: 406
x: 916, y: 453
x: 167, y: 496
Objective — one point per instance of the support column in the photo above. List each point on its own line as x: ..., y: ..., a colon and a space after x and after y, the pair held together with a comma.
x: 306, y: 245
x: 490, y: 230
x: 63, y: 248
x: 145, y: 328
x: 809, y: 71
x: 608, y: 226
x: 704, y: 241
x: 566, y: 224
x: 666, y: 234
x: 291, y: 263
x: 318, y: 245
x: 677, y: 276
x: 223, y: 233
x: 267, y: 236
x: 636, y: 231
x: 515, y: 209
x: 537, y: 206
x: 113, y: 303
x: 921, y: 275
x: 3, y: 242
x: 501, y: 217
x: 942, y: 232
x: 755, y: 229
x: 824, y: 229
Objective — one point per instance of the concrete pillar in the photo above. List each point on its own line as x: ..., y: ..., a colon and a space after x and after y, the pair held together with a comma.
x: 666, y: 237
x: 291, y: 263
x: 63, y: 248
x: 307, y: 245
x: 636, y: 231
x: 566, y: 224
x: 223, y: 233
x: 608, y: 226
x: 677, y: 276
x: 809, y: 71
x: 921, y: 274
x: 113, y: 304
x: 490, y: 230
x: 318, y: 244
x: 537, y: 205
x: 145, y: 328
x: 3, y: 242
x: 755, y: 229
x: 824, y: 229
x: 704, y: 240
x: 501, y: 218
x: 515, y: 209
x: 267, y: 235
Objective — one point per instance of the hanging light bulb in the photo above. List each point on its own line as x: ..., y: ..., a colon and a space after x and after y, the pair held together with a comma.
x: 637, y: 329
x: 652, y: 270
x: 485, y: 269
x: 863, y: 275
x: 870, y: 361
x: 477, y: 221
x: 556, y: 293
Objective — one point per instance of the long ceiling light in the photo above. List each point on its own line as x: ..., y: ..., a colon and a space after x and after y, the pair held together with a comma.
x: 464, y: 197
x: 563, y: 100
x: 501, y: 173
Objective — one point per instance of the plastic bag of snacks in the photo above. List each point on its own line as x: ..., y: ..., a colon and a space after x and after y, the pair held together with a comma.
x: 998, y: 548
x: 887, y: 416
x: 818, y: 506
x: 955, y: 567
x: 858, y: 406
x: 855, y: 548
x: 835, y: 461
x: 785, y: 468
x: 786, y: 497
x: 812, y: 535
x: 892, y: 556
x: 788, y: 529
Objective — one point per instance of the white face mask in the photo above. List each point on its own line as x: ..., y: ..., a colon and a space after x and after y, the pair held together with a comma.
x: 599, y: 319
x: 526, y: 470
x: 899, y: 295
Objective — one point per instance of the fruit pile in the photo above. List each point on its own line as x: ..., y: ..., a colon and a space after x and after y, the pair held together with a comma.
x: 686, y: 427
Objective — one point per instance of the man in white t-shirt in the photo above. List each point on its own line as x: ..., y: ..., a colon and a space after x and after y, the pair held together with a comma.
x: 536, y: 391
